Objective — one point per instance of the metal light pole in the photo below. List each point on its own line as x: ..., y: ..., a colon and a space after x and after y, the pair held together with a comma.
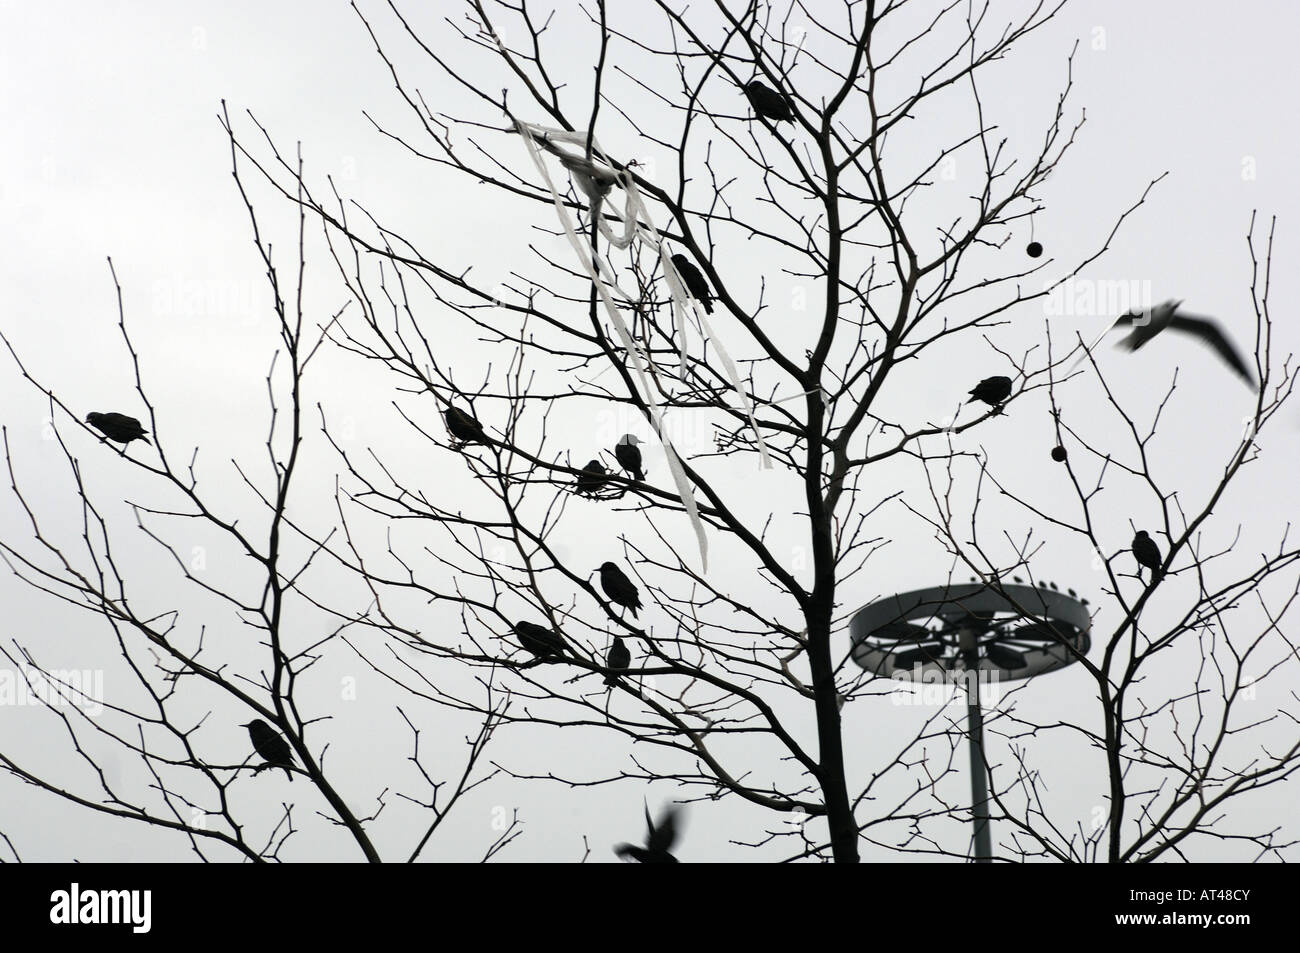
x: 1014, y: 631
x: 968, y: 647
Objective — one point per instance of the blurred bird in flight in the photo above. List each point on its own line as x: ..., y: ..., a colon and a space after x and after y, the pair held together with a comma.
x: 658, y: 842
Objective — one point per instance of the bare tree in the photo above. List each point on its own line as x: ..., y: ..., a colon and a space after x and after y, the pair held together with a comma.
x: 1176, y: 752
x: 168, y: 701
x: 605, y: 147
x: 609, y: 322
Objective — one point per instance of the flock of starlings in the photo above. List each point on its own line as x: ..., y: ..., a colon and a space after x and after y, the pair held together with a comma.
x: 547, y: 645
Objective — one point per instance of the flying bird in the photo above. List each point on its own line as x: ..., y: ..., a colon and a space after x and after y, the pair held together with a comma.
x: 539, y: 640
x: 592, y: 479
x: 1147, y: 324
x: 768, y: 103
x: 268, y: 743
x: 618, y: 659
x: 694, y: 281
x: 658, y: 840
x: 629, y: 456
x: 619, y: 588
x: 1147, y: 553
x: 464, y: 427
x: 992, y: 390
x: 118, y: 427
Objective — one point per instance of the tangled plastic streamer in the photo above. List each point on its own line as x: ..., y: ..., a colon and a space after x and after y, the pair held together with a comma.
x: 591, y: 184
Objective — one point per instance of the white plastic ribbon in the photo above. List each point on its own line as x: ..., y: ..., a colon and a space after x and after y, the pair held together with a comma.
x: 594, y: 268
x: 596, y: 182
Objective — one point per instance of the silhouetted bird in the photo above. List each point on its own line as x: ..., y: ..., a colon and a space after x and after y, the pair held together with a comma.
x: 539, y: 640
x: 768, y: 102
x: 464, y: 427
x: 118, y: 427
x: 592, y: 479
x: 1147, y: 553
x: 658, y: 840
x: 992, y: 390
x: 694, y: 281
x: 618, y: 659
x: 619, y: 588
x: 1147, y: 324
x: 629, y: 456
x: 268, y: 743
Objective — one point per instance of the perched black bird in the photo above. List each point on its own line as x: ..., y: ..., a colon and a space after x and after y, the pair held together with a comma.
x: 768, y: 102
x: 1147, y: 324
x: 628, y: 456
x: 992, y: 390
x: 268, y: 743
x: 539, y: 640
x: 619, y: 588
x: 1147, y: 553
x: 618, y: 659
x: 464, y: 427
x: 694, y: 281
x: 593, y: 478
x: 658, y: 840
x: 118, y: 427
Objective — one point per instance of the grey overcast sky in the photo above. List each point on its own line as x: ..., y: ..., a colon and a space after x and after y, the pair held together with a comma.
x: 113, y: 148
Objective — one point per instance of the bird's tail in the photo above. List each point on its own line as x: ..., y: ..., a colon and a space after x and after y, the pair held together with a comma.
x: 288, y: 773
x: 708, y: 306
x: 611, y: 679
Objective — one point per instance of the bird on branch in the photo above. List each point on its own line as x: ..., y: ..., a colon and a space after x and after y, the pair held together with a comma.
x: 463, y: 427
x: 1147, y: 553
x: 694, y: 281
x: 768, y: 102
x: 271, y: 746
x: 619, y: 588
x: 118, y: 427
x: 617, y: 661
x: 628, y: 455
x: 540, y: 641
x: 992, y: 390
x: 592, y: 479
